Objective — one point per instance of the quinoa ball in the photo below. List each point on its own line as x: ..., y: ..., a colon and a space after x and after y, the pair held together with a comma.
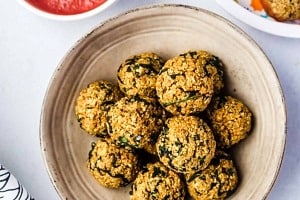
x: 157, y: 182
x: 111, y: 165
x: 230, y: 120
x: 183, y: 85
x: 212, y: 64
x: 186, y: 144
x: 151, y: 146
x: 217, y: 181
x: 137, y: 74
x: 135, y: 122
x: 92, y: 106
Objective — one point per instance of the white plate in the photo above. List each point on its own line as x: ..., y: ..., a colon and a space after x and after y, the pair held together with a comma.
x: 242, y: 10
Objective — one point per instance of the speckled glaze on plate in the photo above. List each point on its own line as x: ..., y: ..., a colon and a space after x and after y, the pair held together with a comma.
x: 167, y: 30
x: 250, y: 13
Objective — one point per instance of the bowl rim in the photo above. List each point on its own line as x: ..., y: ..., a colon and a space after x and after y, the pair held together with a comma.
x: 139, y: 9
x: 72, y: 17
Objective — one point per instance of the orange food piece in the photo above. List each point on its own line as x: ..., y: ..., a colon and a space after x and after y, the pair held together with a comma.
x: 256, y: 5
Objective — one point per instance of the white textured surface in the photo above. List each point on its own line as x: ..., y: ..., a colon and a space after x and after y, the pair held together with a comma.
x: 30, y: 49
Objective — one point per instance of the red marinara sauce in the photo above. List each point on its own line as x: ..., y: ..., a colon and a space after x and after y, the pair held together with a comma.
x: 66, y: 7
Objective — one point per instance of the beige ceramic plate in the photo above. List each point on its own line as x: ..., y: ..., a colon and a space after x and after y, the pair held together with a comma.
x: 167, y: 30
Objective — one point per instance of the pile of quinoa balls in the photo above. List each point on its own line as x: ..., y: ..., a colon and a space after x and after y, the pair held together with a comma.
x: 167, y: 128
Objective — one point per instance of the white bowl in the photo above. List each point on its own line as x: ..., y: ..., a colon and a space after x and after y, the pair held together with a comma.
x: 242, y: 10
x: 166, y: 30
x: 72, y: 17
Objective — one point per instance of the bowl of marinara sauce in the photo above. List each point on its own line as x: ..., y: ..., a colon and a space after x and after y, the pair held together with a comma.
x: 66, y: 10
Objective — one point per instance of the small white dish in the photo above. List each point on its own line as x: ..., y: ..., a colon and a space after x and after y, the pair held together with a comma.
x: 242, y: 10
x: 71, y: 17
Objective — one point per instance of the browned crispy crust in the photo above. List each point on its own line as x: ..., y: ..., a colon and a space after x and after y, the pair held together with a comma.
x: 282, y: 10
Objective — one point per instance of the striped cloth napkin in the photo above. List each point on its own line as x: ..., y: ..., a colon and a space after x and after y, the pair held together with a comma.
x: 10, y: 188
